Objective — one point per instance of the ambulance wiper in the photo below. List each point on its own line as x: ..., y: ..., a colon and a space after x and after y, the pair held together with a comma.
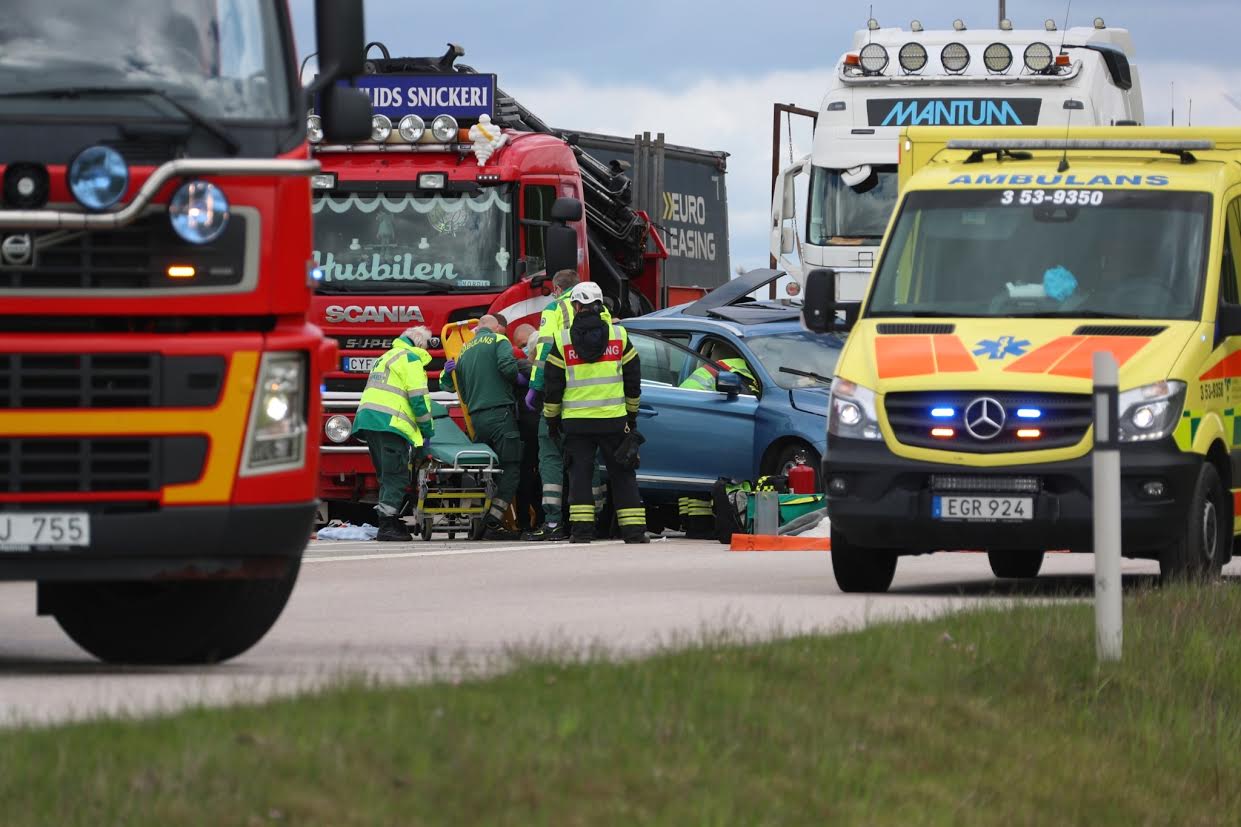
x: 188, y: 112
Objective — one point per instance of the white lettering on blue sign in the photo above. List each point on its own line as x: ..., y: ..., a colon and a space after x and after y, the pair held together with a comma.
x: 953, y: 113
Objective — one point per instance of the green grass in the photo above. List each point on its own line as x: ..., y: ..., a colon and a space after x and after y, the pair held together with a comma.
x: 982, y: 718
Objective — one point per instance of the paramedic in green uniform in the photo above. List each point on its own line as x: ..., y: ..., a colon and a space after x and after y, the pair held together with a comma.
x: 393, y: 416
x: 486, y: 374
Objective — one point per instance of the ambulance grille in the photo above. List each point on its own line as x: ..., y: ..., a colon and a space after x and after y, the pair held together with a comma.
x: 1063, y: 420
x: 53, y: 465
x: 914, y: 329
x: 35, y: 381
x: 1118, y: 330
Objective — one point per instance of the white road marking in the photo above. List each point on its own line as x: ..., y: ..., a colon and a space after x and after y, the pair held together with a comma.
x: 455, y: 552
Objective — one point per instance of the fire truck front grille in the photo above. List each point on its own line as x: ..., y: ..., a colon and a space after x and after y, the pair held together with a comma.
x: 131, y: 258
x: 50, y: 465
x: 109, y: 380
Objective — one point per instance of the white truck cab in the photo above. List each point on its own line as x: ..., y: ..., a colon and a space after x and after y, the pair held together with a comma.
x: 892, y: 78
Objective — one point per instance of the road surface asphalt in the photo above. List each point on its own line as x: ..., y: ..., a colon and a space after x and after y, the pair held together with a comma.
x: 412, y: 610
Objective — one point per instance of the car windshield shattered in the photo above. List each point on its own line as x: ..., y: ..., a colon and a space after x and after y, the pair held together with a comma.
x: 444, y: 241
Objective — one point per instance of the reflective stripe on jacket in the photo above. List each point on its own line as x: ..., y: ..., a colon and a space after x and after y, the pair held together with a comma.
x: 704, y: 378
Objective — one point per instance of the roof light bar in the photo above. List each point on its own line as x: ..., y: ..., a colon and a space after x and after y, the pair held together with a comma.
x: 1118, y: 144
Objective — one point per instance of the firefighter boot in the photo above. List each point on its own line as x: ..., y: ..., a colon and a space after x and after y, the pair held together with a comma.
x: 393, y: 530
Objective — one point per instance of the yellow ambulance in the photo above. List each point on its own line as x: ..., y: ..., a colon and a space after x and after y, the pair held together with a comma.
x: 961, y: 411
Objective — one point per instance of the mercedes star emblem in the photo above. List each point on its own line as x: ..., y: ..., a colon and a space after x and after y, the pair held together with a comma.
x: 984, y: 418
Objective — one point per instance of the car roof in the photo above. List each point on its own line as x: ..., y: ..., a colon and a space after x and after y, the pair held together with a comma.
x: 664, y: 321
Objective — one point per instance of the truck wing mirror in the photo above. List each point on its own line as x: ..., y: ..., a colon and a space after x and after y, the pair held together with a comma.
x: 566, y: 209
x: 344, y: 112
x: 561, y: 248
x: 729, y: 383
x: 788, y: 239
x: 820, y: 305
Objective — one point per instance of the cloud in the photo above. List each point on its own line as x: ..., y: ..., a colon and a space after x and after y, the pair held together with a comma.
x: 1210, y: 87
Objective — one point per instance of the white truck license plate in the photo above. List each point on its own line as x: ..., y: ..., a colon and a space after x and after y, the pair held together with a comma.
x: 22, y: 531
x: 983, y: 508
x: 358, y: 364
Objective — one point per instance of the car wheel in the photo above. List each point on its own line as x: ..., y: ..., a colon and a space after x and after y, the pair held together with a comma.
x: 860, y: 570
x: 1199, y: 553
x: 1018, y: 565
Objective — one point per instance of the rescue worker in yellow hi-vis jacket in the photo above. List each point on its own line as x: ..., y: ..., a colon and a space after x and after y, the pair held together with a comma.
x: 593, y: 383
x: 393, y: 416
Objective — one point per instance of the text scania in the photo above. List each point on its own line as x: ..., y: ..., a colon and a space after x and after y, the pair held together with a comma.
x: 444, y: 97
x: 1062, y: 180
x: 335, y: 314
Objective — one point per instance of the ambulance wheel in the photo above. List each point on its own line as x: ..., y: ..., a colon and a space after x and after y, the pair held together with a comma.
x: 861, y: 569
x: 427, y: 526
x: 1199, y: 553
x: 1018, y: 565
x: 169, y: 622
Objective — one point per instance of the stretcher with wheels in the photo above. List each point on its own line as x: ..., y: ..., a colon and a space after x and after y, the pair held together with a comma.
x: 454, y: 481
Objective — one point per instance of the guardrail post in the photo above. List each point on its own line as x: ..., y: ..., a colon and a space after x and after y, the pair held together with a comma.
x: 1105, y: 466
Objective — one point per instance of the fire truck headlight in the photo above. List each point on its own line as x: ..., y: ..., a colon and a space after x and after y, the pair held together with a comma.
x: 381, y: 128
x: 198, y: 212
x: 444, y: 129
x: 874, y: 58
x: 98, y: 177
x: 277, y: 430
x: 997, y: 58
x: 912, y: 57
x: 412, y: 129
x: 314, y: 129
x: 1037, y: 57
x: 338, y: 428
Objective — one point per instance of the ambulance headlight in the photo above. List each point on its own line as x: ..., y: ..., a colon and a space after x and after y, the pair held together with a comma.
x: 198, y: 212
x: 314, y: 129
x: 381, y: 128
x: 955, y: 58
x: 276, y: 433
x: 412, y: 128
x: 912, y: 57
x: 1151, y: 412
x: 338, y: 428
x: 444, y: 129
x: 98, y: 177
x: 1037, y: 57
x: 852, y: 412
x: 874, y: 58
x: 997, y: 58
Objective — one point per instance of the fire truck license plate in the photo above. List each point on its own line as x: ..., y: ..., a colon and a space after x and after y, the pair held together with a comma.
x: 27, y: 530
x: 983, y: 508
x: 357, y: 364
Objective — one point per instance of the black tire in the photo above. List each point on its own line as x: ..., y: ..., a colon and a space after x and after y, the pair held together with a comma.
x: 477, y: 528
x: 171, y: 622
x: 1018, y: 565
x: 427, y: 526
x: 786, y: 458
x: 1200, y: 553
x: 860, y: 570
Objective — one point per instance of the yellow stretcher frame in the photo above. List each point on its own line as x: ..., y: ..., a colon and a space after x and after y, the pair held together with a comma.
x: 453, y: 338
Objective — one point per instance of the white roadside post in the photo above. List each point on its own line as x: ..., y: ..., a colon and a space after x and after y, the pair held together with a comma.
x: 1106, y: 481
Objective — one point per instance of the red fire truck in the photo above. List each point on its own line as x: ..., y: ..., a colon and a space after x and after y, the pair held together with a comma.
x: 157, y: 368
x: 463, y: 202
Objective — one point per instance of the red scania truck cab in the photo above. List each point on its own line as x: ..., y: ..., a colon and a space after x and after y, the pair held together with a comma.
x: 461, y: 203
x: 158, y: 372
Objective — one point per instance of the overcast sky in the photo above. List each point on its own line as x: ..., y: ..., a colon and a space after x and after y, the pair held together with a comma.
x: 706, y: 73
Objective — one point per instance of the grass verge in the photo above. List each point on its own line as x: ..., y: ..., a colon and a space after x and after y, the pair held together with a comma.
x: 982, y: 718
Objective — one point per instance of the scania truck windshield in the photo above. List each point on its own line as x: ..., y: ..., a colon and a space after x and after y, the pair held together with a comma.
x: 1051, y: 252
x: 393, y: 241
x: 225, y: 58
x: 844, y: 213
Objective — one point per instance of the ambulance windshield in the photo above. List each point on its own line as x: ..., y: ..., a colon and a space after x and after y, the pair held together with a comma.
x: 225, y: 58
x: 1086, y: 253
x: 841, y: 214
x: 432, y: 243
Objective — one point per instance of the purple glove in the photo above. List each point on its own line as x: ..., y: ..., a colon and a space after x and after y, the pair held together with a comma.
x: 449, y: 365
x: 530, y: 396
x: 522, y: 380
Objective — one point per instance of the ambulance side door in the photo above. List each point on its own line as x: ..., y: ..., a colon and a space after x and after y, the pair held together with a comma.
x: 1229, y: 301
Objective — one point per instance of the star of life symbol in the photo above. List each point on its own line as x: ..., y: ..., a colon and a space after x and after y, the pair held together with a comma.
x: 1001, y: 348
x: 984, y: 418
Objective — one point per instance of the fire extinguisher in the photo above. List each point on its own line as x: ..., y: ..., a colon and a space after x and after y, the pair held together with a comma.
x: 801, y: 476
